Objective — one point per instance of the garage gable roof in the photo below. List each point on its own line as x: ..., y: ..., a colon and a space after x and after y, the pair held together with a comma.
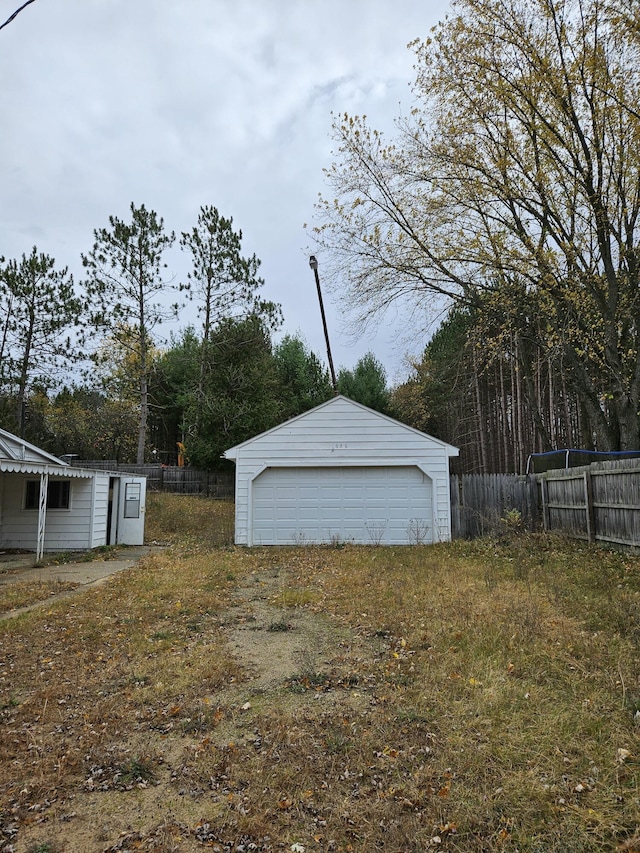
x: 339, y: 402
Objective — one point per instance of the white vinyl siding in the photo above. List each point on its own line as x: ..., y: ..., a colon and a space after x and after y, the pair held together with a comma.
x: 66, y: 529
x: 100, y: 510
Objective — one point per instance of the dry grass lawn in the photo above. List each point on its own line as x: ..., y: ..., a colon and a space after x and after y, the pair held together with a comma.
x: 479, y: 696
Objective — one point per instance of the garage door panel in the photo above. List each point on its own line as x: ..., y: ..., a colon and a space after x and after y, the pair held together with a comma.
x: 286, y: 493
x: 331, y: 492
x: 353, y: 504
x: 266, y: 513
x: 351, y: 513
x: 330, y: 517
x: 352, y: 494
x: 397, y: 513
x: 376, y: 493
x: 267, y: 494
x: 308, y: 513
x: 397, y: 493
x: 309, y: 493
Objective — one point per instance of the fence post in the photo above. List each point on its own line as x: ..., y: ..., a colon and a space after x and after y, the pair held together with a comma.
x: 454, y: 497
x: 588, y: 498
x: 544, y: 494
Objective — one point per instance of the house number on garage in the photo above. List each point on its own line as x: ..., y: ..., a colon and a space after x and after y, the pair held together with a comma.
x: 340, y: 446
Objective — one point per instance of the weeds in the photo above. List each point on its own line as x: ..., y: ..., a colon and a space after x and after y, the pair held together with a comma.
x: 376, y: 528
x: 61, y: 558
x: 137, y: 771
x: 188, y: 520
x: 308, y: 677
x: 418, y: 531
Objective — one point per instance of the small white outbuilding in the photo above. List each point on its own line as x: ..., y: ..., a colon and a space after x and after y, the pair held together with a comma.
x: 342, y: 473
x: 48, y: 505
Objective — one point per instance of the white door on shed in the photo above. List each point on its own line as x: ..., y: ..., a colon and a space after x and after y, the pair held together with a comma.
x: 385, y: 505
x: 132, y: 499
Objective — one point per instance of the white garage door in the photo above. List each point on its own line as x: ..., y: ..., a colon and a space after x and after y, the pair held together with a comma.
x: 372, y: 505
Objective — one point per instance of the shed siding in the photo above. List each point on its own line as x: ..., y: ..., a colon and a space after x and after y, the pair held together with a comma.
x: 100, y: 510
x: 342, y: 433
x: 3, y: 526
x: 12, y: 447
x: 65, y: 529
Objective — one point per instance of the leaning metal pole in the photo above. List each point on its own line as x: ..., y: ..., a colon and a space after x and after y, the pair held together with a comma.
x: 313, y: 263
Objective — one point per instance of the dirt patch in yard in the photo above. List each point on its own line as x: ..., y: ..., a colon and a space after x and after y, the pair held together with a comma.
x: 283, y: 645
x: 291, y: 659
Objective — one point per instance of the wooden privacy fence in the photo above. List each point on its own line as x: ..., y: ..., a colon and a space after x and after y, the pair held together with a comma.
x: 598, y: 502
x: 173, y: 478
x: 486, y: 503
x: 189, y: 481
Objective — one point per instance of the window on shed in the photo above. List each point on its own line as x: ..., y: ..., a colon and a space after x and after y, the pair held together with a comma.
x: 58, y: 494
x: 132, y: 492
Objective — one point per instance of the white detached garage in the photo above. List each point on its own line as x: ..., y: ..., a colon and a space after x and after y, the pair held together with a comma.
x: 342, y: 473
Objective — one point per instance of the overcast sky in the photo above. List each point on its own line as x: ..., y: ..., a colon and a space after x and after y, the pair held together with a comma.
x: 181, y: 103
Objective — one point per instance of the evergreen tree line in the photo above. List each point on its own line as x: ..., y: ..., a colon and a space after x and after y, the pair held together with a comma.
x: 251, y: 385
x: 497, y: 390
x: 83, y: 371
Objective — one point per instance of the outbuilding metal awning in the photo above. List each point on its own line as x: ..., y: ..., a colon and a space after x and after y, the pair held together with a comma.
x: 16, y: 466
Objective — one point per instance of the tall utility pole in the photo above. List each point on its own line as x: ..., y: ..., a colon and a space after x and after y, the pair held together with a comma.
x: 313, y: 263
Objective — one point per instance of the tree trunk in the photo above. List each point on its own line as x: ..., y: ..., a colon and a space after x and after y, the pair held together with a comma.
x: 628, y: 423
x: 204, y: 353
x: 520, y: 409
x: 505, y: 418
x: 144, y: 378
x: 479, y: 414
x: 5, y: 330
x: 24, y: 375
x: 553, y: 433
x: 142, y: 425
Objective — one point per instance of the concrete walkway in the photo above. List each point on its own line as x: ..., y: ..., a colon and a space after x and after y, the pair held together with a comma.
x: 18, y: 568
